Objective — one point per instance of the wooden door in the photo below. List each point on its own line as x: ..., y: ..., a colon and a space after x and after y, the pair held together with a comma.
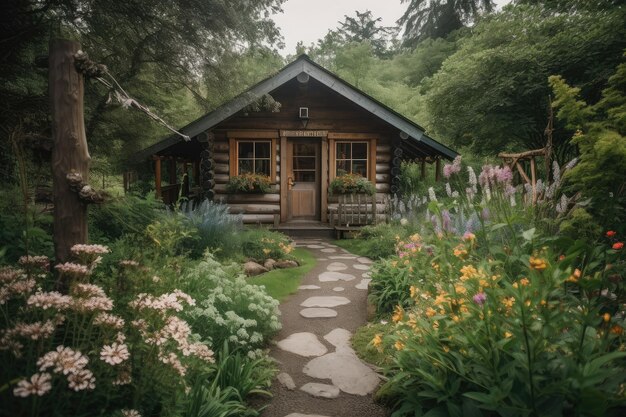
x: 304, y: 179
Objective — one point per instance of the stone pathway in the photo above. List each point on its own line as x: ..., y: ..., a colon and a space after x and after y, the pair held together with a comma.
x: 320, y: 374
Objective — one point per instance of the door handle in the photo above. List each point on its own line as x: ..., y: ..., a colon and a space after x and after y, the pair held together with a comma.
x: 290, y: 183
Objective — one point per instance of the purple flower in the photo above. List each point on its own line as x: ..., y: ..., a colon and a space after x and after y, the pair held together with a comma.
x: 480, y: 298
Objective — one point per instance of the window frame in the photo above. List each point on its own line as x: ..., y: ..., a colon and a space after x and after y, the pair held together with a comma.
x: 234, y: 154
x: 370, y: 139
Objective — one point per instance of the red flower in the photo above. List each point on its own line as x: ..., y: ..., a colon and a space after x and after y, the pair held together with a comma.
x: 618, y: 245
x: 610, y: 233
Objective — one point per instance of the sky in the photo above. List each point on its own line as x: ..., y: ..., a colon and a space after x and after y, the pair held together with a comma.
x: 310, y: 20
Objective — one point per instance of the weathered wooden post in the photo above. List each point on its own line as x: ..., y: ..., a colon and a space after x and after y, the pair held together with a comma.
x: 70, y: 155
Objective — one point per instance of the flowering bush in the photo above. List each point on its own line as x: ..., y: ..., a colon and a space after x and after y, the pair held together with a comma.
x: 263, y: 244
x: 492, y: 316
x: 351, y: 184
x: 249, y: 183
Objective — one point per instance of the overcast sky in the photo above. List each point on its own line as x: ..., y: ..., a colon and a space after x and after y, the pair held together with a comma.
x: 310, y: 20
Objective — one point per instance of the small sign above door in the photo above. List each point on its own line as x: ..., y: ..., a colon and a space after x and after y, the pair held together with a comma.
x: 304, y: 133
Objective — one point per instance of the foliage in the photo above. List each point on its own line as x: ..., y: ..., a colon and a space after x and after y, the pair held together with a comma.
x: 492, y: 94
x: 231, y: 309
x: 217, y: 229
x: 351, y: 184
x: 365, y: 28
x: 129, y: 214
x: 437, y: 18
x: 493, y: 314
x: 379, y: 240
x: 361, y: 342
x: 600, y: 131
x: 279, y: 283
x: 172, y: 235
x: 260, y: 244
x: 248, y: 183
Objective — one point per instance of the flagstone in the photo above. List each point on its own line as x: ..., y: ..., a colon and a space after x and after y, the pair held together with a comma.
x: 329, y: 250
x: 361, y: 267
x: 330, y: 276
x: 325, y: 301
x: 338, y: 289
x: 303, y: 344
x: 345, y: 370
x: 342, y: 257
x: 337, y: 266
x: 309, y: 287
x: 320, y: 390
x: 318, y: 312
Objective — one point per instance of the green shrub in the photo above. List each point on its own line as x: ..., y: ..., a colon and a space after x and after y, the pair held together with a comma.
x: 216, y: 227
x: 249, y: 183
x: 172, y: 234
x: 232, y: 309
x: 351, y: 184
x: 380, y: 240
x: 260, y: 244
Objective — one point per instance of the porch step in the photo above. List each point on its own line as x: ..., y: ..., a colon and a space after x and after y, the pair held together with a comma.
x: 306, y: 230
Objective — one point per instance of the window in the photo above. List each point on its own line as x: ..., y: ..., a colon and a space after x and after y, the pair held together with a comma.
x: 352, y: 158
x: 254, y: 157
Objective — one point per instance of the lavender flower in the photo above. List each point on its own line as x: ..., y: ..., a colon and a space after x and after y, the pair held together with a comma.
x: 480, y: 298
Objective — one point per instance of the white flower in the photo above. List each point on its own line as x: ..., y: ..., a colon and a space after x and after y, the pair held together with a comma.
x: 114, y: 354
x: 431, y: 194
x: 404, y: 221
x: 39, y: 384
x: 130, y: 413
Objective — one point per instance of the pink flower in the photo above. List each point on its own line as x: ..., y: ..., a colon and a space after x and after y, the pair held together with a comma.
x: 41, y: 262
x: 81, y: 380
x: 130, y: 413
x: 80, y: 249
x: 75, y: 270
x: 53, y: 299
x: 480, y: 298
x: 39, y: 384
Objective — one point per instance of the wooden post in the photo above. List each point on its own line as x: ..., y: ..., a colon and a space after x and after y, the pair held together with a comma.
x: 172, y: 171
x: 70, y: 153
x: 157, y: 176
x: 423, y: 169
x: 438, y: 169
x: 196, y: 173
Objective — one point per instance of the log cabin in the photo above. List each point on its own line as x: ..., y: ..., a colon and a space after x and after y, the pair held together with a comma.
x: 301, y: 127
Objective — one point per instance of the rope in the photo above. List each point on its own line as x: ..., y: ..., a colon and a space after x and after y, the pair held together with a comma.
x: 100, y: 73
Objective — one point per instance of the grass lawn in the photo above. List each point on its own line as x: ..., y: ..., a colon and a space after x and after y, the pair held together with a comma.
x: 279, y: 283
x: 355, y: 246
x: 361, y: 343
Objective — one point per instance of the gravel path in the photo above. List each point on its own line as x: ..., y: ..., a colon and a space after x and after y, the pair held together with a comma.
x: 320, y: 375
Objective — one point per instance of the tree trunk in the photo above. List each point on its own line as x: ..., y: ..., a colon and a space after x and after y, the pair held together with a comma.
x: 70, y: 152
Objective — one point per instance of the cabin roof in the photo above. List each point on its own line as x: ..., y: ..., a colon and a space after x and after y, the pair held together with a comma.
x: 417, y: 139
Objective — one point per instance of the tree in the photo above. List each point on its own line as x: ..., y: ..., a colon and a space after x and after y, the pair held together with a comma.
x: 492, y: 94
x: 437, y: 18
x: 364, y: 28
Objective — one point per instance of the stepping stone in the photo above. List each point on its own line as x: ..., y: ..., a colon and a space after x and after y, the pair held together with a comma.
x: 345, y: 370
x: 304, y: 415
x: 364, y: 284
x: 322, y: 259
x: 286, y: 381
x: 367, y: 275
x: 303, y: 344
x: 320, y: 390
x: 338, y: 337
x: 318, y: 313
x: 325, y: 301
x: 309, y: 287
x: 338, y: 289
x: 330, y: 276
x: 315, y: 246
x: 329, y: 250
x: 337, y: 266
x: 364, y: 260
x: 361, y: 267
x: 342, y: 257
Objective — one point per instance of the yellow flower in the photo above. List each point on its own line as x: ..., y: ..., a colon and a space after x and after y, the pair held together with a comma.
x: 508, y: 301
x: 524, y: 282
x: 575, y: 276
x: 468, y: 271
x: 413, y: 291
x: 606, y: 317
x: 394, y: 264
x: 508, y: 334
x: 412, y: 321
x: 455, y: 318
x: 440, y: 299
x: 415, y: 238
x: 377, y: 340
x: 537, y: 264
x: 435, y: 266
x: 399, y: 345
x: 446, y: 349
x: 398, y: 314
x: 430, y: 312
x: 460, y: 251
x: 435, y: 325
x: 460, y: 289
x: 266, y: 251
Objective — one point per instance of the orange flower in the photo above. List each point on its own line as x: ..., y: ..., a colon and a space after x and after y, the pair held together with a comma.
x: 377, y: 340
x: 575, y: 276
x: 537, y: 264
x: 398, y: 314
x: 606, y: 317
x: 399, y: 345
x: 618, y: 245
x: 508, y: 302
x: 430, y: 312
x: 617, y: 329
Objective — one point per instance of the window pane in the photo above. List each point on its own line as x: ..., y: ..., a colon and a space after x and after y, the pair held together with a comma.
x: 304, y: 176
x: 262, y: 166
x: 343, y: 151
x: 245, y: 166
x: 359, y: 151
x: 304, y: 162
x: 343, y: 167
x: 359, y: 166
x: 246, y: 150
x: 262, y: 149
x: 304, y: 149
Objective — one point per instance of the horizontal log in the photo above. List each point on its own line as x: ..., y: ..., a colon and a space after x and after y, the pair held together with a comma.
x: 222, y: 168
x: 383, y: 148
x: 221, y: 178
x: 255, y: 208
x: 221, y: 189
x: 534, y: 152
x: 252, y: 198
x: 383, y: 157
x: 258, y: 218
x: 221, y: 157
x: 380, y: 178
x: 382, y: 168
x: 221, y: 147
x: 382, y: 188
